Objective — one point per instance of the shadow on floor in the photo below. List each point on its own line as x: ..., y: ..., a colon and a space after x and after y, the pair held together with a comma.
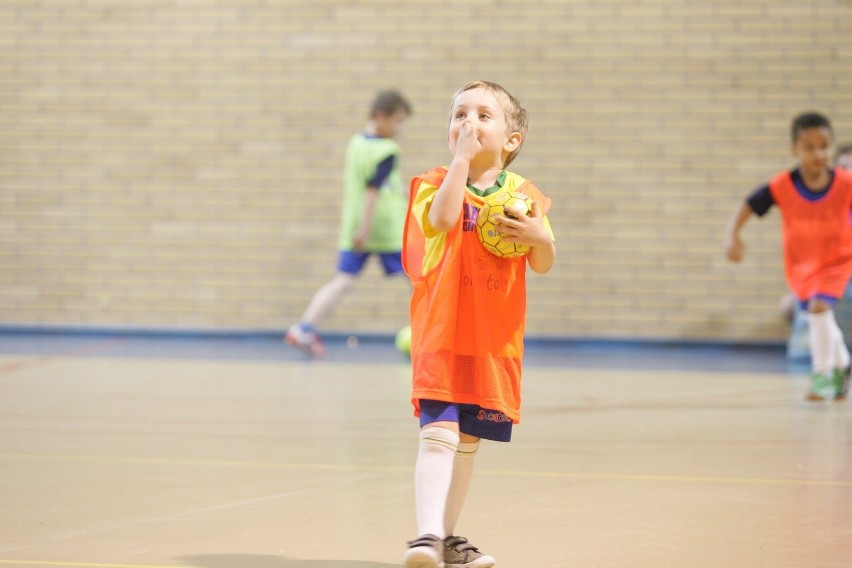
x: 267, y: 561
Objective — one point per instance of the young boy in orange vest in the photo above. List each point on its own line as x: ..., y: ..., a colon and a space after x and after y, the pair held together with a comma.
x: 468, y: 310
x: 815, y: 202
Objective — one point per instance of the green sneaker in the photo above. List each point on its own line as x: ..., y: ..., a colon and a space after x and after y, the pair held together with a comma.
x: 459, y: 553
x: 840, y: 382
x: 822, y: 387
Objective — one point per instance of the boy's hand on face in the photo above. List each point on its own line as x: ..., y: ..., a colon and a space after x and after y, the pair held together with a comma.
x: 526, y: 229
x: 467, y: 144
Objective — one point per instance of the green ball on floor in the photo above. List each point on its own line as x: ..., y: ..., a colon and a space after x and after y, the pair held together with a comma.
x: 403, y: 340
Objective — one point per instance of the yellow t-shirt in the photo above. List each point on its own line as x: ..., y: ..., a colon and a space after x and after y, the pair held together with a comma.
x: 421, y: 202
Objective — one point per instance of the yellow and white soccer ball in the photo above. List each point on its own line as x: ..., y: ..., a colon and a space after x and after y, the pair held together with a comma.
x: 508, y: 204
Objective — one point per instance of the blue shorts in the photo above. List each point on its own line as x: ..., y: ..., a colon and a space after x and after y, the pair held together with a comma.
x: 352, y: 262
x: 830, y: 300
x: 473, y: 420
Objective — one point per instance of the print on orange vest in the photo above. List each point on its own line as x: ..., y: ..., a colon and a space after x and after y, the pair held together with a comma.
x: 471, y: 214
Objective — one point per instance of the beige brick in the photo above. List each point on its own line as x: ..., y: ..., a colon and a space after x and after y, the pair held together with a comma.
x: 168, y: 163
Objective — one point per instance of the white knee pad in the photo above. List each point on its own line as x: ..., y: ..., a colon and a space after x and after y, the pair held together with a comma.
x: 439, y: 437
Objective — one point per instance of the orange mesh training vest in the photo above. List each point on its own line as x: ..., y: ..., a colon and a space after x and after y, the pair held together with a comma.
x: 817, y: 235
x: 467, y: 312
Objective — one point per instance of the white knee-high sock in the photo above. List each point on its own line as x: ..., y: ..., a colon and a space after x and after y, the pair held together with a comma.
x: 462, y: 474
x: 433, y: 474
x: 821, y: 334
x: 841, y: 352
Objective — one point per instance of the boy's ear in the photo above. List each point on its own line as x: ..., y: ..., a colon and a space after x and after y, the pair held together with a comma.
x: 513, y: 142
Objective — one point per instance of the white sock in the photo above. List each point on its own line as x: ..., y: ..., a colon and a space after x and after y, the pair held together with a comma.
x: 822, y: 338
x: 462, y: 474
x: 432, y: 477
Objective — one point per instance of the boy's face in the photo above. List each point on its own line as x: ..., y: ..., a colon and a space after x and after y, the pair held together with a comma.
x: 389, y: 125
x: 481, y: 109
x: 844, y: 161
x: 813, y: 149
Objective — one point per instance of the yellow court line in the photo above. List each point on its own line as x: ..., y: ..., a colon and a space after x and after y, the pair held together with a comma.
x: 410, y: 469
x: 78, y: 564
x: 678, y: 478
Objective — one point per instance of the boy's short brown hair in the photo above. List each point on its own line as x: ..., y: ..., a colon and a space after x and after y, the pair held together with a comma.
x: 516, y: 115
x: 388, y: 102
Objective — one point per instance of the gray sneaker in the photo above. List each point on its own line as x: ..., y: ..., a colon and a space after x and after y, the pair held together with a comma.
x: 459, y: 553
x: 424, y: 552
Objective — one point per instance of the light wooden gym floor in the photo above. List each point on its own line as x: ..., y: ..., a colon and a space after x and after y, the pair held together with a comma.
x: 217, y: 453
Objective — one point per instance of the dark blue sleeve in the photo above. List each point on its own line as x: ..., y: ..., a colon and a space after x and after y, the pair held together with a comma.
x: 760, y: 200
x: 383, y: 170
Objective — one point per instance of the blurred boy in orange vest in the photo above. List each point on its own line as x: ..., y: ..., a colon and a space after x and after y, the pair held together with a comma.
x: 815, y: 202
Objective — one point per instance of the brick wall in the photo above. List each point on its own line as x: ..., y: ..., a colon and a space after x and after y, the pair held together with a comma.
x: 177, y: 164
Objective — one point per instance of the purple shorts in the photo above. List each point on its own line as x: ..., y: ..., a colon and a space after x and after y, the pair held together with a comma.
x: 473, y: 420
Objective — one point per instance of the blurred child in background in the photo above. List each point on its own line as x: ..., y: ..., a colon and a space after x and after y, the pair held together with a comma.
x: 815, y: 202
x: 374, y: 206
